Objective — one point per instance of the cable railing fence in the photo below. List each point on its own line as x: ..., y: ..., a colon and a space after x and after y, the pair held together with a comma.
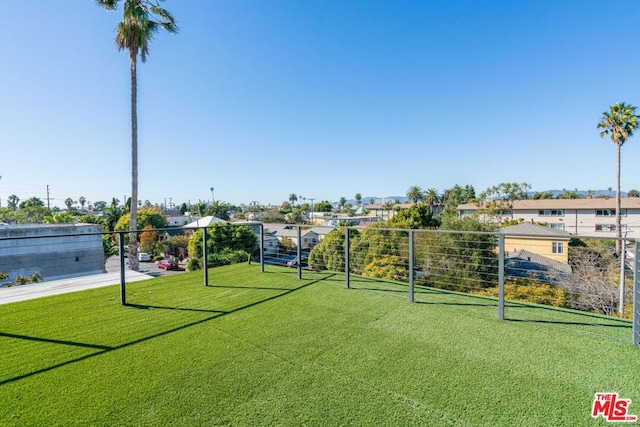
x: 574, y: 272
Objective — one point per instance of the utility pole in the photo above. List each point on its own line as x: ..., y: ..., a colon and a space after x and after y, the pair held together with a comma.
x: 48, y: 199
x: 311, y: 213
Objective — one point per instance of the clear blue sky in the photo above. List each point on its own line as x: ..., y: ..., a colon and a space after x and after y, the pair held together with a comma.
x: 324, y: 99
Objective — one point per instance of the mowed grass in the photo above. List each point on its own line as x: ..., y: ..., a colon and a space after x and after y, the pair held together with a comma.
x: 268, y: 349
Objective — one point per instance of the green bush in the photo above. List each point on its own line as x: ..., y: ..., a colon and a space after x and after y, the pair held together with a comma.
x: 388, y: 268
x: 194, y: 264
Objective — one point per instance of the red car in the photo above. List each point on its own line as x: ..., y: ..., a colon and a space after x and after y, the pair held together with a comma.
x: 168, y: 264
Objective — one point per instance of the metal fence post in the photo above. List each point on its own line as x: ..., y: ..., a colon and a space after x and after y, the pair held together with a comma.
x: 205, y: 263
x: 123, y: 284
x: 299, y: 252
x: 261, y: 248
x: 623, y: 253
x: 636, y: 295
x: 411, y: 267
x: 347, y: 277
x: 501, y: 276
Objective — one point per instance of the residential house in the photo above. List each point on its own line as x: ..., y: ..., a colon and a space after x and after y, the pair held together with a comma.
x: 281, y: 231
x: 535, y: 250
x: 537, y: 239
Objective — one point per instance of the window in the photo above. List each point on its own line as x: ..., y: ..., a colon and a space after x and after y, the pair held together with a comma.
x: 551, y: 212
x: 557, y: 247
x: 609, y: 227
x: 559, y: 226
x: 610, y: 212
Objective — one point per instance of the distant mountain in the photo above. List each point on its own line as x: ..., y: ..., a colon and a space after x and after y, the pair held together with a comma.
x: 583, y: 194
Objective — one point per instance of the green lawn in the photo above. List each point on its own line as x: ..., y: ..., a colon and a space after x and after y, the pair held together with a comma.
x: 267, y: 349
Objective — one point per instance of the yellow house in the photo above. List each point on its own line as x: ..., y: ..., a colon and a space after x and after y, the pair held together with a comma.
x: 537, y: 239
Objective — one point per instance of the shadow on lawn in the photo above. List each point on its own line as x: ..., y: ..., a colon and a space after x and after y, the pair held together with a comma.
x: 106, y: 349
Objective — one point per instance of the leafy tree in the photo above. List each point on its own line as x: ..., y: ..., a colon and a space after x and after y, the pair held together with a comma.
x: 221, y: 237
x: 458, y: 261
x: 323, y: 206
x: 497, y: 201
x: 141, y: 21
x: 31, y: 202
x: 183, y: 209
x: 60, y: 218
x: 414, y: 193
x: 146, y: 216
x: 12, y: 202
x: 342, y: 202
x: 294, y: 217
x: 91, y: 219
x: 148, y: 239
x: 620, y: 122
x: 633, y: 193
x: 542, y: 195
x: 100, y: 205
x: 358, y: 198
x: 272, y: 218
x: 417, y: 216
x: 566, y: 194
x: 453, y: 197
x: 329, y: 253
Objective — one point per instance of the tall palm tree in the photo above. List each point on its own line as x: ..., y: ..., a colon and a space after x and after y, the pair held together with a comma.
x: 141, y: 20
x: 619, y: 123
x: 431, y: 197
x: 414, y: 193
x: 293, y: 198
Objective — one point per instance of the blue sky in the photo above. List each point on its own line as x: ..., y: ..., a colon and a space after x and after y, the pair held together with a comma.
x: 324, y: 99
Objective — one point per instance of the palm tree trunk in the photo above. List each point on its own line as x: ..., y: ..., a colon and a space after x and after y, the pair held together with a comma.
x: 618, y: 216
x: 133, y: 209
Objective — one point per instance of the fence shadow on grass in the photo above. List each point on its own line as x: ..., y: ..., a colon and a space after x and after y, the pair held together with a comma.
x: 106, y: 349
x: 485, y: 301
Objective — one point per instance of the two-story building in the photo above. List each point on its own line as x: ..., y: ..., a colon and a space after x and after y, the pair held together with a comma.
x: 585, y: 217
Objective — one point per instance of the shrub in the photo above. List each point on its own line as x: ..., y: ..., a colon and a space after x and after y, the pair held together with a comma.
x: 194, y: 264
x: 388, y: 268
x: 529, y: 290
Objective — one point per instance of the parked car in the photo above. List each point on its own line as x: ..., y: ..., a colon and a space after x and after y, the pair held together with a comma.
x: 168, y: 264
x: 144, y: 257
x: 294, y: 262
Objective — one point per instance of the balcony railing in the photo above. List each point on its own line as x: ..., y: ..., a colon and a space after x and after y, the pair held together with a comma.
x: 577, y: 273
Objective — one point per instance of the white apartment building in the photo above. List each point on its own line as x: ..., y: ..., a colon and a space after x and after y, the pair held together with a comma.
x: 585, y: 217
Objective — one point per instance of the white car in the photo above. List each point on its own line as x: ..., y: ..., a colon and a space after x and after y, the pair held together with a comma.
x: 144, y: 257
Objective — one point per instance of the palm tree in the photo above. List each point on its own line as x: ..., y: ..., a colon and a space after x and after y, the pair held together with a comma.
x: 293, y: 198
x: 82, y: 201
x: 619, y: 123
x: 431, y: 197
x: 12, y: 202
x: 414, y: 193
x: 388, y: 205
x: 140, y: 22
